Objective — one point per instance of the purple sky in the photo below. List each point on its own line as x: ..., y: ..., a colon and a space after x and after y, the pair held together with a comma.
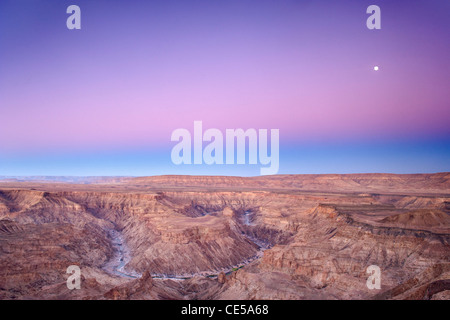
x: 104, y: 100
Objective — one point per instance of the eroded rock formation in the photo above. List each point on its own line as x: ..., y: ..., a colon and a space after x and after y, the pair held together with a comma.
x: 278, y: 237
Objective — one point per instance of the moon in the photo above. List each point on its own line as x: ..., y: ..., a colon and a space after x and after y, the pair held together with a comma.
x: 376, y: 68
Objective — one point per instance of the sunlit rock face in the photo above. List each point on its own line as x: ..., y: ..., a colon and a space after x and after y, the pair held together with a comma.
x: 188, y: 237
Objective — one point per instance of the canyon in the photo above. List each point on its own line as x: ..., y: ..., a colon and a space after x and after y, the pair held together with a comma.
x: 216, y: 237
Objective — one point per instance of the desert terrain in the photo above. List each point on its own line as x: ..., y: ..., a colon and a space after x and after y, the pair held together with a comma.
x: 216, y: 237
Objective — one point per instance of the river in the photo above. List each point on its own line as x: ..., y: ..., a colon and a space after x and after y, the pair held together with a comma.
x: 122, y: 257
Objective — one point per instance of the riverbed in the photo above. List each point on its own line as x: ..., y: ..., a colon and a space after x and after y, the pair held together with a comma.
x: 122, y: 256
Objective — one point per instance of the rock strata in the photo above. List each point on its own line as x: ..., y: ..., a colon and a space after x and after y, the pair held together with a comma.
x: 277, y: 237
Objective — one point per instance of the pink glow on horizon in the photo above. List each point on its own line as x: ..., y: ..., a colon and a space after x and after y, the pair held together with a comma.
x: 281, y: 70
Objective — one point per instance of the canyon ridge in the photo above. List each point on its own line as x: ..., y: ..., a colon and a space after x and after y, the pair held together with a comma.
x: 217, y: 237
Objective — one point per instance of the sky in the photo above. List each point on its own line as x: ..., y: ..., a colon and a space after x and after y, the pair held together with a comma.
x: 104, y: 100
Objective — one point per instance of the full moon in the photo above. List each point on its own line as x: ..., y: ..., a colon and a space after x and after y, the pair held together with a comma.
x: 375, y: 68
